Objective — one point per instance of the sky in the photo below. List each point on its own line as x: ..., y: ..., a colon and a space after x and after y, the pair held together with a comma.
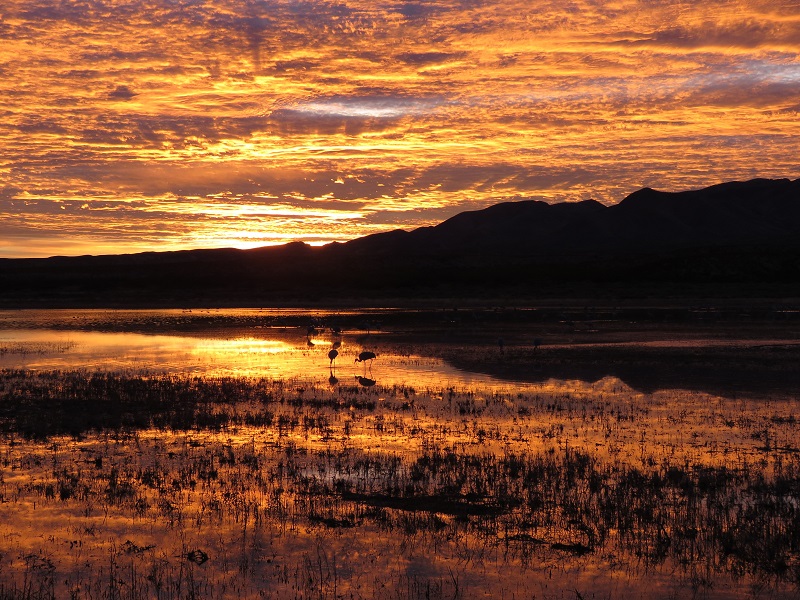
x: 139, y: 125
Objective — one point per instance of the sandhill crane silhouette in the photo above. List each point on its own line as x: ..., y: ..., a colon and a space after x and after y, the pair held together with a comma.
x: 332, y: 355
x: 365, y: 356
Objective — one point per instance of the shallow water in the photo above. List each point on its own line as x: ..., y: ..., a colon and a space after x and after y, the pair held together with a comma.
x: 235, y: 343
x: 277, y: 344
x: 431, y: 482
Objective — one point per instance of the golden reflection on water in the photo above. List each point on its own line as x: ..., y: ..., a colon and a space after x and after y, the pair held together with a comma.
x: 278, y: 353
x: 243, y: 345
x: 251, y: 472
x: 298, y: 505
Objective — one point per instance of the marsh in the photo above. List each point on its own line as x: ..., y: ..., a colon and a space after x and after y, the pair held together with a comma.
x: 208, y: 454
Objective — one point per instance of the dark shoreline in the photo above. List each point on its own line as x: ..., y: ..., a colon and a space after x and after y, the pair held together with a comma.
x: 745, y: 295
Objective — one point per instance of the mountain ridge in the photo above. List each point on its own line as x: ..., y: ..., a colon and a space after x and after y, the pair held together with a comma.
x: 736, y: 235
x: 647, y: 219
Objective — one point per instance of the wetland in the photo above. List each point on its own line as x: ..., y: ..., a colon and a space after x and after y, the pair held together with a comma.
x: 484, y: 453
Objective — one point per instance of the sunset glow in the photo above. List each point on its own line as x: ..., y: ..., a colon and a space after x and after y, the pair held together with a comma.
x: 151, y: 125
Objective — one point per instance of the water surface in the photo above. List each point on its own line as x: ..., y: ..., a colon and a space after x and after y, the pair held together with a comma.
x: 220, y: 455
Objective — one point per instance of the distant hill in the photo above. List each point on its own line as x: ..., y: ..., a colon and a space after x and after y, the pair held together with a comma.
x: 737, y: 238
x: 729, y: 214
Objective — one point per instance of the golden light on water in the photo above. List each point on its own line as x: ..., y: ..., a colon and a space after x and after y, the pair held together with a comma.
x: 243, y: 345
x: 225, y: 452
x: 146, y: 124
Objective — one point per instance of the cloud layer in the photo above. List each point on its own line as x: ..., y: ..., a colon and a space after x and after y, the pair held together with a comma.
x: 153, y: 124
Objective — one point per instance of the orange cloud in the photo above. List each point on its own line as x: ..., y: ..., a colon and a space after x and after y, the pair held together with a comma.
x: 118, y: 116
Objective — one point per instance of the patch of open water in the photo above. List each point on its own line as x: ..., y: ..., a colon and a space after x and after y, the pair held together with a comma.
x: 430, y: 482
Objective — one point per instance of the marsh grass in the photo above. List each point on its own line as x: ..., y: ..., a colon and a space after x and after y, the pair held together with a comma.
x: 35, y: 348
x: 121, y: 486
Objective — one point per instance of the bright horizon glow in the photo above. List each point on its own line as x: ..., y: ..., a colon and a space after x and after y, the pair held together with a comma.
x: 152, y: 125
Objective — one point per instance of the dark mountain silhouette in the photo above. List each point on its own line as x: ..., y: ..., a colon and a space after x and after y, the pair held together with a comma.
x: 733, y: 238
x: 729, y: 214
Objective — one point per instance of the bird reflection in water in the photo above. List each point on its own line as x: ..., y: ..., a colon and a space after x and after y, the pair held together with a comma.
x: 365, y: 381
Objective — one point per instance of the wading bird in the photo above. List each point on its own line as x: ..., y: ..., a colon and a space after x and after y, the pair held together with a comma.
x: 365, y: 356
x: 332, y: 355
